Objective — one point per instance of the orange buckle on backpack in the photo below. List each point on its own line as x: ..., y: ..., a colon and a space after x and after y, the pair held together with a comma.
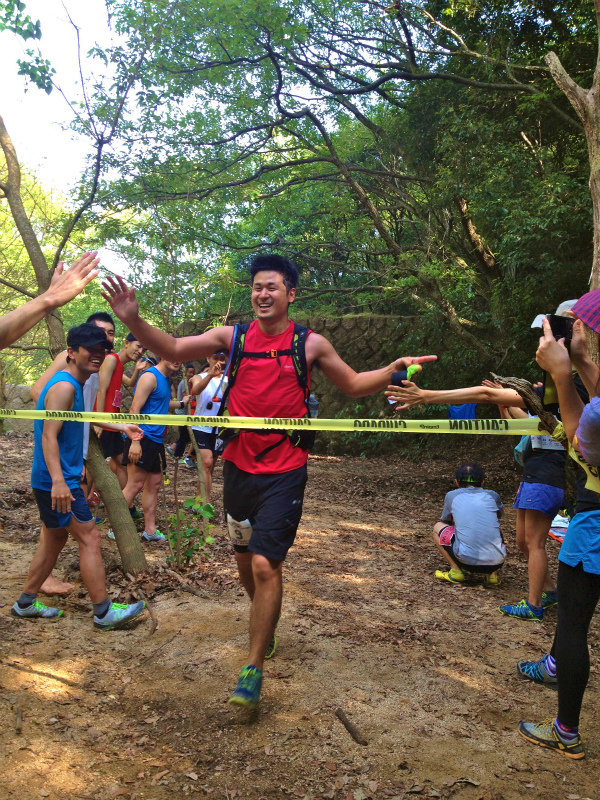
x: 272, y: 353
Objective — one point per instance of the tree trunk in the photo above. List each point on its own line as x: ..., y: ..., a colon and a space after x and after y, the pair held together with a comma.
x: 12, y: 191
x: 126, y: 535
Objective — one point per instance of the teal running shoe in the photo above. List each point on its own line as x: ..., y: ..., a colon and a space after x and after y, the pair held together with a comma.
x: 537, y: 671
x: 118, y: 615
x: 155, y: 537
x: 271, y: 648
x: 546, y: 734
x: 522, y: 610
x: 136, y: 513
x: 549, y: 599
x: 36, y: 610
x: 247, y: 692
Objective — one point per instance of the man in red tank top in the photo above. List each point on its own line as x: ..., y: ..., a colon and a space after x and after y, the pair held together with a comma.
x: 262, y: 492
x: 111, y: 377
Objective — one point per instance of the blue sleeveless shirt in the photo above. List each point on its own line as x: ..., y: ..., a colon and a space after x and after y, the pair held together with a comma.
x: 157, y: 403
x: 70, y: 440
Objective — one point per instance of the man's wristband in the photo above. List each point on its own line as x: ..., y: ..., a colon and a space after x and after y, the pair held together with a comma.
x: 181, y: 404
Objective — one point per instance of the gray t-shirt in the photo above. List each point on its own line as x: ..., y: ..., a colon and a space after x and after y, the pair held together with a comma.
x: 474, y: 511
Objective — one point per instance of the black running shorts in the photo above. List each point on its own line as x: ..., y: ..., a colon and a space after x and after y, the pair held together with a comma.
x: 263, y: 511
x: 152, y: 458
x: 113, y: 444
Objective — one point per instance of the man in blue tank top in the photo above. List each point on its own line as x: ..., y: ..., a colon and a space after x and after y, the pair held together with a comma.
x: 55, y: 480
x: 145, y: 459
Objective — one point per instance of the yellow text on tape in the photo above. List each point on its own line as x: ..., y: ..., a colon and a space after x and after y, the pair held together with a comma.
x: 498, y: 427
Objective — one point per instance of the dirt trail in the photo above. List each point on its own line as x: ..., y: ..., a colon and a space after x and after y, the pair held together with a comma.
x: 426, y: 671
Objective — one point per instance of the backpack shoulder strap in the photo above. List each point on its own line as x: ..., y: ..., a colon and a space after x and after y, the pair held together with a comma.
x: 236, y: 352
x: 299, y: 354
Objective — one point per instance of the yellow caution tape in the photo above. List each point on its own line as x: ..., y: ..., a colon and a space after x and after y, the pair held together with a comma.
x: 498, y: 427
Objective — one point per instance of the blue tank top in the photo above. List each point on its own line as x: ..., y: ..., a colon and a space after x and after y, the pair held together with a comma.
x: 157, y: 403
x: 70, y: 440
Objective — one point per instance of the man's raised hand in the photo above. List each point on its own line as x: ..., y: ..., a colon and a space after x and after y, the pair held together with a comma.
x: 120, y: 298
x: 67, y: 284
x: 407, y: 361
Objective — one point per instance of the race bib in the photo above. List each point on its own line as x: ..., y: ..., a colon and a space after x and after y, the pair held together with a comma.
x: 118, y: 398
x: 545, y: 443
x: 239, y: 532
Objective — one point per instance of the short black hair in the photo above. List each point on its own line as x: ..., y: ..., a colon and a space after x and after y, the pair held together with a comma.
x: 470, y: 475
x: 101, y: 316
x: 190, y: 366
x: 272, y: 262
x: 131, y: 338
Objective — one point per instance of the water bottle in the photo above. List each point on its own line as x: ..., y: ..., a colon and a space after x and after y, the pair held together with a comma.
x: 313, y: 406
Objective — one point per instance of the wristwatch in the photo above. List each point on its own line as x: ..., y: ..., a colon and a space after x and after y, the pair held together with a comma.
x: 181, y: 404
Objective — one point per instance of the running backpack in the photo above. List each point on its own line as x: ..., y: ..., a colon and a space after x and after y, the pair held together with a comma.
x: 297, y: 438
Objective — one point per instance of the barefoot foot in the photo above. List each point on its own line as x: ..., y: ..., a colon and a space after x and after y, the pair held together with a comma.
x: 53, y: 586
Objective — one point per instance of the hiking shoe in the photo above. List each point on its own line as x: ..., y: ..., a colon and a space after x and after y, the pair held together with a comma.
x: 136, y: 513
x: 118, y: 615
x: 36, y: 610
x: 271, y: 648
x: 111, y: 534
x: 549, y: 599
x: 522, y: 610
x: 247, y: 692
x: 155, y: 537
x: 537, y: 671
x: 189, y: 463
x: 452, y: 576
x: 546, y: 734
x: 492, y: 579
x: 99, y: 520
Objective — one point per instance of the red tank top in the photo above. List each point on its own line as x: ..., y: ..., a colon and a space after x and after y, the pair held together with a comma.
x: 265, y: 388
x: 114, y: 395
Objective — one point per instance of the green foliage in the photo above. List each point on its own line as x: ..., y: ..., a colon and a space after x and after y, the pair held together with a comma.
x: 14, y: 19
x: 189, y: 532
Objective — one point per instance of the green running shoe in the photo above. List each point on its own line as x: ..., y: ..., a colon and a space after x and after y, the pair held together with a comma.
x: 549, y: 599
x: 36, y: 610
x: 271, y: 648
x: 136, y: 513
x: 546, y: 734
x: 157, y: 536
x: 247, y: 692
x: 522, y: 610
x: 118, y: 615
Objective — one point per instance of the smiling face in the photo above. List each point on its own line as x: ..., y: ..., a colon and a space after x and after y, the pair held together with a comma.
x: 189, y: 373
x: 270, y: 297
x: 87, y: 360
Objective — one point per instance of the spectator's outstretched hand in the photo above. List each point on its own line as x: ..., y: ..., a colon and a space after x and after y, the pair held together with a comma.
x: 120, y: 298
x: 409, y: 394
x: 67, y: 284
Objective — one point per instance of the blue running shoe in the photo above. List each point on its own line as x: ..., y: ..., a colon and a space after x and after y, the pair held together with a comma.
x: 537, y: 671
x: 36, y: 610
x: 118, y: 615
x: 546, y: 734
x: 549, y: 599
x: 271, y: 648
x: 247, y: 692
x: 99, y: 520
x: 136, y: 513
x: 522, y: 610
x: 155, y: 537
x: 189, y: 463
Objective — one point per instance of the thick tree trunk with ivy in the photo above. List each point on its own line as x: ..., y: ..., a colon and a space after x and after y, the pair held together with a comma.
x: 11, y: 190
x: 126, y: 535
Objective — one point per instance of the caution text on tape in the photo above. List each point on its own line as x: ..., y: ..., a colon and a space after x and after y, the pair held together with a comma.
x: 498, y: 427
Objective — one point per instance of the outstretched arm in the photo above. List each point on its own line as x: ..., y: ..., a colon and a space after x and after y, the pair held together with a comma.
x: 411, y: 395
x: 354, y: 384
x: 64, y: 286
x: 124, y: 304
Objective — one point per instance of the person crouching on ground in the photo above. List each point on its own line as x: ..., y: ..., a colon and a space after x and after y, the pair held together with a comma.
x: 55, y: 480
x: 145, y: 459
x: 468, y: 534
